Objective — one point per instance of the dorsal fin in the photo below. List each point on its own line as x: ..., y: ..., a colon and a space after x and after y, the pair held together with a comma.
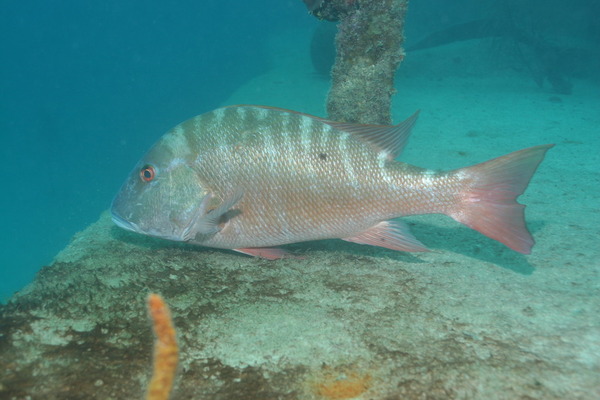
x: 387, y: 138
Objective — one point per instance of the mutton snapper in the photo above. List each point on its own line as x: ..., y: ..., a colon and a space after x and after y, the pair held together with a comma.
x: 249, y: 178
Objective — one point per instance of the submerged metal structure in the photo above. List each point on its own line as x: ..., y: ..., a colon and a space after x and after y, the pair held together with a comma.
x: 368, y: 53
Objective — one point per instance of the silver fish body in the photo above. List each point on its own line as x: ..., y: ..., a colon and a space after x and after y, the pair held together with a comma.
x: 249, y: 178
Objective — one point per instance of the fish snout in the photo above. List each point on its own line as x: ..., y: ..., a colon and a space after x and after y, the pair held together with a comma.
x: 122, y: 222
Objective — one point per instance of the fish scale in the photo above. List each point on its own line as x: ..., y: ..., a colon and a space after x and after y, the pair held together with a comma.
x: 250, y: 177
x: 301, y: 185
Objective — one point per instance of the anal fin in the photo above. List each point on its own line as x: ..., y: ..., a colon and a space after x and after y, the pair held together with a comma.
x: 269, y: 253
x: 394, y: 235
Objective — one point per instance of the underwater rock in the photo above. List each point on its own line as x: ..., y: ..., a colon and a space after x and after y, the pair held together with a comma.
x: 347, y: 323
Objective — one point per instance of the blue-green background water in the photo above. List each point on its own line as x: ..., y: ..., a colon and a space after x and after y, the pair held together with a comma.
x: 87, y: 87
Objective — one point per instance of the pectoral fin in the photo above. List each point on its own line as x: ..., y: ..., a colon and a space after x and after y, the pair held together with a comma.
x: 208, y: 223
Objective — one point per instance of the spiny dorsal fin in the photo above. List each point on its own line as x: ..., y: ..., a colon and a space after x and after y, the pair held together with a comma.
x: 387, y: 138
x: 390, y: 139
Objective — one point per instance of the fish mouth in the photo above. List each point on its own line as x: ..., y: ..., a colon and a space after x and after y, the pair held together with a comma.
x: 122, y: 223
x: 132, y: 227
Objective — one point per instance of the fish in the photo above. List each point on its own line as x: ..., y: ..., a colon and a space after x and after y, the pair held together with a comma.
x: 251, y: 178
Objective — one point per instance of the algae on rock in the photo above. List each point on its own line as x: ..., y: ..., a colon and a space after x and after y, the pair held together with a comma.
x: 378, y: 324
x: 368, y: 53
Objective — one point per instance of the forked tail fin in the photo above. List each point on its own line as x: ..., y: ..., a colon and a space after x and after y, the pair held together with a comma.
x: 489, y: 203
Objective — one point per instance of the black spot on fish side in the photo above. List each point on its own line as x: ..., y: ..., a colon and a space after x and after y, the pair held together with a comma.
x: 323, y: 156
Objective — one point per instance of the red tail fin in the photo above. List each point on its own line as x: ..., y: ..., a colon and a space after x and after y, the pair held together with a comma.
x: 490, y: 201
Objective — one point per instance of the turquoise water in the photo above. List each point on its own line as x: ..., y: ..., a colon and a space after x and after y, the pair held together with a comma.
x: 86, y: 88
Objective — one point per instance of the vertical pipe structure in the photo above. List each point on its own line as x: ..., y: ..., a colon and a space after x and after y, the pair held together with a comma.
x: 368, y: 53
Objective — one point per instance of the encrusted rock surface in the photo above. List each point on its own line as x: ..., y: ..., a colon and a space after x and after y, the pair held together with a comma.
x: 368, y: 53
x: 344, y: 321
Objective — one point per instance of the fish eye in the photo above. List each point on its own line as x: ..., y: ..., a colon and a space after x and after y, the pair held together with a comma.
x: 147, y: 173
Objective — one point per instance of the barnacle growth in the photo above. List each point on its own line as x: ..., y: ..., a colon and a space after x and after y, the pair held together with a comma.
x: 368, y: 53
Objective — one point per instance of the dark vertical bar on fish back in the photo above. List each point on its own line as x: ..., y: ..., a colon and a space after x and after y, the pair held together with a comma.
x: 369, y: 51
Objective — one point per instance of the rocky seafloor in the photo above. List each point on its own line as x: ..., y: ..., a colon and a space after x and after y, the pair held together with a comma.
x: 469, y: 320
